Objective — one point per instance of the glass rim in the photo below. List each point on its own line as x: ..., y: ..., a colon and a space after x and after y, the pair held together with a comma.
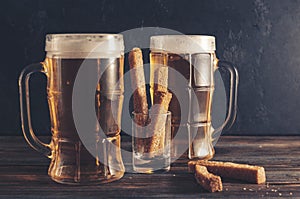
x: 192, y: 36
x: 82, y: 35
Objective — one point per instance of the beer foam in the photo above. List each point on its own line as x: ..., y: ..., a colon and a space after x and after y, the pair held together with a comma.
x: 183, y: 44
x: 84, y: 45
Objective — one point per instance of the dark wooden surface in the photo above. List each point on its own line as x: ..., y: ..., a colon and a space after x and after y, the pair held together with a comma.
x: 23, y: 173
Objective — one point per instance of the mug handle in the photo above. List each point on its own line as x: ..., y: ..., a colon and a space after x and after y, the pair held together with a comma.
x: 24, y: 92
x: 232, y: 105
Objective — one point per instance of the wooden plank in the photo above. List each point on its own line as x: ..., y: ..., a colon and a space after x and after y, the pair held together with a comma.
x: 23, y: 173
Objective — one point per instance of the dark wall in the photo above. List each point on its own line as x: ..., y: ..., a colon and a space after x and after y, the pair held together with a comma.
x: 261, y: 37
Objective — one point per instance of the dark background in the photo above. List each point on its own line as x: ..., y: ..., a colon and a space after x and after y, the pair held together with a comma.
x: 261, y: 37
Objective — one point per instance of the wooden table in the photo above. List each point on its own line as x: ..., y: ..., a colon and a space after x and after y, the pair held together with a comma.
x: 23, y: 173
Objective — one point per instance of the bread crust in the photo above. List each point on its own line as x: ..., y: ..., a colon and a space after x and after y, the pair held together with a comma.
x: 244, y: 172
x: 140, y: 104
x: 158, y: 122
x: 208, y: 181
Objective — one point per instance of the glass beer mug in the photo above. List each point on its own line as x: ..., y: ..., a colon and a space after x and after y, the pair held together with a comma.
x: 98, y: 159
x: 185, y: 64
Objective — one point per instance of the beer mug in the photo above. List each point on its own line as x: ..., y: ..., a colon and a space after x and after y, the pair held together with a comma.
x: 98, y: 159
x: 185, y: 64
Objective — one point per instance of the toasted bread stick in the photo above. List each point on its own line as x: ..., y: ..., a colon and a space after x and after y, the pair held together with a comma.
x: 160, y: 70
x: 158, y: 112
x: 244, y: 172
x: 208, y: 181
x: 140, y: 104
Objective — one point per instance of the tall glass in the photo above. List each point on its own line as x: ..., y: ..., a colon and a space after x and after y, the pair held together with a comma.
x: 98, y: 159
x: 185, y: 65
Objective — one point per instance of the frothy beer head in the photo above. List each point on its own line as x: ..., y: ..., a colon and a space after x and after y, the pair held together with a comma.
x: 183, y: 44
x: 84, y: 45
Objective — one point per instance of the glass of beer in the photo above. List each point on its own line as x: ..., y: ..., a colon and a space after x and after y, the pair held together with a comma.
x: 185, y: 65
x: 98, y: 158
